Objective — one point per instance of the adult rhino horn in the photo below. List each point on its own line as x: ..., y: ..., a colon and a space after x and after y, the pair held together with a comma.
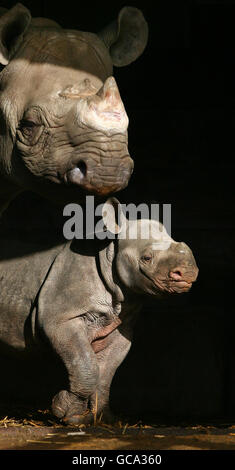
x: 126, y: 37
x: 110, y: 97
x: 104, y: 110
x: 13, y: 25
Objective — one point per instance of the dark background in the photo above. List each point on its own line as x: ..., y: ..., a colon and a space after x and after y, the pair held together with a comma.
x: 180, y: 98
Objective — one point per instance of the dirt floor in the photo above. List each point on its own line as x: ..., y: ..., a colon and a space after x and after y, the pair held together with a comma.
x: 30, y: 430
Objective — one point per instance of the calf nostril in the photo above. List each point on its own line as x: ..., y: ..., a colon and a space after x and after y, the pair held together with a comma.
x: 176, y: 274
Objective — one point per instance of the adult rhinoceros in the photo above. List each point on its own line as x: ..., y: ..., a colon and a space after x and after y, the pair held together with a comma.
x: 63, y: 126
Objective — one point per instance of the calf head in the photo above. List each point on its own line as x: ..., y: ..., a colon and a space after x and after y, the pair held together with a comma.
x: 63, y: 122
x: 146, y: 259
x: 157, y: 266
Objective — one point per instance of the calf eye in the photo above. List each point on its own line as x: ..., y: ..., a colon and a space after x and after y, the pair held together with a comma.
x: 147, y: 258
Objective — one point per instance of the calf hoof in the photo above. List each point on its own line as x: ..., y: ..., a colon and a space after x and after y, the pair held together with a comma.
x: 66, y: 404
x: 108, y: 417
x: 85, y: 418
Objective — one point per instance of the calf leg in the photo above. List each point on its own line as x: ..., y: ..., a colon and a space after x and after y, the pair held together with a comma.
x: 69, y: 340
x: 109, y: 359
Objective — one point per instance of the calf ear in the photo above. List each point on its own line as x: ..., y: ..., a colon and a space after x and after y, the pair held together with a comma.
x: 126, y: 37
x: 112, y: 215
x: 13, y: 24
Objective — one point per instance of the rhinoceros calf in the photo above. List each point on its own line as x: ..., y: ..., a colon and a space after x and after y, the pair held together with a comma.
x: 81, y: 300
x: 63, y: 126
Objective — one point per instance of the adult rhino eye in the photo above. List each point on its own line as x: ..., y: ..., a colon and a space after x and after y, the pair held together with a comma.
x: 26, y: 124
x: 29, y: 130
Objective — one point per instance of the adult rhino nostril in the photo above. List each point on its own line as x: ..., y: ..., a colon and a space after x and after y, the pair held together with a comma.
x: 77, y: 174
x: 82, y: 167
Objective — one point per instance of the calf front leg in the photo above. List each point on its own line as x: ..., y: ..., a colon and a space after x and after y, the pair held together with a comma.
x: 69, y: 340
x: 109, y: 359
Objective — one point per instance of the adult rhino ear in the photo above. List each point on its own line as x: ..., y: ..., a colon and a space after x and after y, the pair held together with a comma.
x: 13, y: 25
x: 126, y: 37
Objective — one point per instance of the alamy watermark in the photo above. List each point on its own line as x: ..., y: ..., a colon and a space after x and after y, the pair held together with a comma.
x: 115, y: 220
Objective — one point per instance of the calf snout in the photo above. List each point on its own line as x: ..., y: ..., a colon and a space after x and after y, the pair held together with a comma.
x: 184, y: 273
x: 182, y: 268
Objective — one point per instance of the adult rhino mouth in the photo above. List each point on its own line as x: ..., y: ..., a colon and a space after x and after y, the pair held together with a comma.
x: 100, y: 178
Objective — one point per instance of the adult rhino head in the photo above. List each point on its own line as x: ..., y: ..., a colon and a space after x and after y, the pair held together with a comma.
x: 63, y: 124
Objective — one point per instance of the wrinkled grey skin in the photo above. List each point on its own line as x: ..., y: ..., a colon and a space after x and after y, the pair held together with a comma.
x: 46, y: 143
x: 82, y: 299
